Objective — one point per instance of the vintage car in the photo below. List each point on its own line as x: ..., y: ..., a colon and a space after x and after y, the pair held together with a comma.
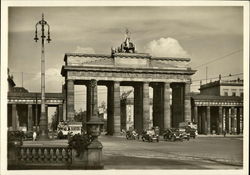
x: 174, y: 134
x: 185, y: 135
x: 150, y: 136
x: 28, y: 135
x: 190, y: 128
x: 132, y: 135
x: 193, y: 132
x: 66, y: 129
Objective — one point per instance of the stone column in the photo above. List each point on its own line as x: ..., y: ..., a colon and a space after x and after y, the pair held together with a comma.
x: 46, y: 114
x: 158, y: 105
x: 30, y: 117
x: 195, y: 114
x: 208, y: 120
x: 70, y: 100
x: 233, y: 120
x: 146, y: 105
x: 60, y: 112
x: 229, y: 120
x: 167, y: 110
x: 187, y: 109
x: 14, y: 117
x: 138, y: 109
x: 204, y: 121
x: 241, y: 119
x: 88, y: 101
x: 224, y: 119
x: 199, y: 121
x: 94, y: 99
x: 123, y: 113
x: 110, y: 109
x: 117, y: 108
x: 220, y: 128
x: 178, y: 99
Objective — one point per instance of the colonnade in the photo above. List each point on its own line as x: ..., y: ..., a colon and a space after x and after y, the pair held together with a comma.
x: 32, y: 112
x: 228, y: 119
x: 162, y: 109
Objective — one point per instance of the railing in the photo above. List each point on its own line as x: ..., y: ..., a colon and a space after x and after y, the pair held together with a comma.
x: 32, y: 157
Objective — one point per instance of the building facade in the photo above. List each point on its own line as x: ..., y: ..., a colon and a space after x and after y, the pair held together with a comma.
x: 24, y: 107
x: 219, y: 107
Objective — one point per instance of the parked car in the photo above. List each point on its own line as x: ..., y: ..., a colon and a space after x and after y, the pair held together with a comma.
x: 190, y: 128
x: 150, y: 136
x: 132, y: 135
x: 66, y: 129
x: 193, y: 132
x: 174, y: 134
x: 185, y: 135
x: 28, y: 135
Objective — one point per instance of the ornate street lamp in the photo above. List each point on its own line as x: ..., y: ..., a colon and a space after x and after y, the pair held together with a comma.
x: 95, y: 123
x: 43, y: 119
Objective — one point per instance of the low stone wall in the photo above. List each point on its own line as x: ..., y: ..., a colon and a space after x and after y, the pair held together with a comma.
x: 24, y: 157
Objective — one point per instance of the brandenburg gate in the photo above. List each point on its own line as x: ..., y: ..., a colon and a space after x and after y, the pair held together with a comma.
x: 125, y: 67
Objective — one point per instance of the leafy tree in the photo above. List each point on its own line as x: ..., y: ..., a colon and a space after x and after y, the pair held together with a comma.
x: 54, y: 121
x: 80, y: 116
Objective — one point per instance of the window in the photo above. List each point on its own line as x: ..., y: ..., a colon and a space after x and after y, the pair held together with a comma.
x: 225, y: 93
x: 241, y: 94
x: 234, y: 94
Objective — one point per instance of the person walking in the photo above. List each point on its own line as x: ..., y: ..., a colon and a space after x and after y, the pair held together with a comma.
x: 34, y: 136
x: 224, y: 133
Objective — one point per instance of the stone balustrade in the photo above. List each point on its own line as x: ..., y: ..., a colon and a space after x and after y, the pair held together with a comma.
x: 44, y: 156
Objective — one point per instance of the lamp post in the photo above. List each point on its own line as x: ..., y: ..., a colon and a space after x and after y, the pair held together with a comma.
x: 43, y: 119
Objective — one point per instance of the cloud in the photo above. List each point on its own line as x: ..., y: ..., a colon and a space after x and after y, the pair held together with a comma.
x: 84, y: 50
x: 166, y: 47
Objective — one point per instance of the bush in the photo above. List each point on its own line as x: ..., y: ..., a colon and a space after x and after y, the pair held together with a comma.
x: 79, y: 143
x: 15, y: 138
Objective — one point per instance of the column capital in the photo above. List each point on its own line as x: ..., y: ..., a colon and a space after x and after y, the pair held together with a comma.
x: 93, y: 83
x: 167, y: 85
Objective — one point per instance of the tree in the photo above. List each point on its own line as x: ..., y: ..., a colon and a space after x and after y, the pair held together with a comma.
x: 80, y: 116
x: 54, y: 121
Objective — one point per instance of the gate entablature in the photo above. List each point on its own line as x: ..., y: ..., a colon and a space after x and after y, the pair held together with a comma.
x: 35, y: 98
x: 126, y: 67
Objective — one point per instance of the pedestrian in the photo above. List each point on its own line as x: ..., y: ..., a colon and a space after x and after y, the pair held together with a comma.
x: 34, y: 136
x: 224, y: 133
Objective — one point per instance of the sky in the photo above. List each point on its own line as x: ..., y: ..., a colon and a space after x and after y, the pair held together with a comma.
x: 212, y: 35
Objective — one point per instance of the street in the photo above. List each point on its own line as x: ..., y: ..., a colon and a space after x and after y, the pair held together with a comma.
x: 200, y: 153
